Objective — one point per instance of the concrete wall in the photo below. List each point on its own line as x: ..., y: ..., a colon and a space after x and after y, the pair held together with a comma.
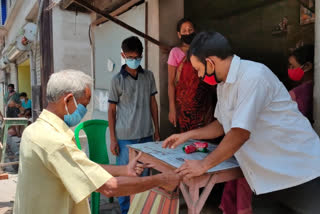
x: 71, y: 41
x: 170, y: 13
x: 12, y: 75
x: 17, y: 18
x: 250, y: 30
x: 108, y: 39
x: 71, y: 47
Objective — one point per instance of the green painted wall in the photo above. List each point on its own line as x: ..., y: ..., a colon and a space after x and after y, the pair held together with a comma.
x: 249, y: 28
x: 24, y: 80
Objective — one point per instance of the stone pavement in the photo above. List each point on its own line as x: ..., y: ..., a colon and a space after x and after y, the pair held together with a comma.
x: 7, y: 190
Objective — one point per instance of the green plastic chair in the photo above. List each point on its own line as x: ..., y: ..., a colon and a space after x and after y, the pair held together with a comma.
x: 98, y: 153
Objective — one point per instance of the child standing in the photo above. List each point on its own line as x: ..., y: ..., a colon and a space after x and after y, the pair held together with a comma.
x: 132, y: 107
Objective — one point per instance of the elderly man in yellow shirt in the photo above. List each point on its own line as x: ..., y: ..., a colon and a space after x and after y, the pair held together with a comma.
x: 54, y: 175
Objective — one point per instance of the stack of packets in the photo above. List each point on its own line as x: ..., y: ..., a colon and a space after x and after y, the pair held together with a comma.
x: 195, y: 147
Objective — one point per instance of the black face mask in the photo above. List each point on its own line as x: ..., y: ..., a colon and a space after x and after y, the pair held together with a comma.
x: 188, y: 38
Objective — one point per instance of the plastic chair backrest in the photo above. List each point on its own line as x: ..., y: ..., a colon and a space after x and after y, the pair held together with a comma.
x: 96, y: 135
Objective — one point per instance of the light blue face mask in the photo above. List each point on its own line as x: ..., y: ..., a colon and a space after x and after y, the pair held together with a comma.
x: 75, y: 118
x: 133, y: 63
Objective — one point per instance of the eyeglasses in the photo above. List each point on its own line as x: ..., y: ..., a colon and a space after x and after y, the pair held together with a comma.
x: 132, y: 58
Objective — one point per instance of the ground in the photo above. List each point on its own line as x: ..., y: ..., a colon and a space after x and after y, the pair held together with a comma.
x: 8, y: 187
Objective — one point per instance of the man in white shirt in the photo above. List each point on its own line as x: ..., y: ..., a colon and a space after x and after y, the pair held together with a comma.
x: 275, y: 145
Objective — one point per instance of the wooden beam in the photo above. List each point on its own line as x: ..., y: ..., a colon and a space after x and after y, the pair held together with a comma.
x: 117, y: 12
x: 66, y: 3
x: 46, y: 50
x: 88, y: 6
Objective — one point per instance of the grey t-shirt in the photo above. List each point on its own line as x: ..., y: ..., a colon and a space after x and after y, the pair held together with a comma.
x: 133, y: 97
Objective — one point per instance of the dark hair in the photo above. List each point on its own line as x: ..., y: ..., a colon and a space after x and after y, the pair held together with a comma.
x: 304, y: 54
x: 181, y: 21
x: 23, y: 94
x: 11, y: 85
x: 132, y: 44
x: 207, y: 44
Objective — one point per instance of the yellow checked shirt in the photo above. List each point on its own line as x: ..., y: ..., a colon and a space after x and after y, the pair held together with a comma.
x: 55, y: 177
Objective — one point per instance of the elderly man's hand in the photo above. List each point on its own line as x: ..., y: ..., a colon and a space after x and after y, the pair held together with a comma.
x: 172, y: 180
x: 191, y: 168
x: 135, y: 168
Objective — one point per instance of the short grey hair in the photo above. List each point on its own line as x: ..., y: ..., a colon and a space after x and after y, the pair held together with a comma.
x: 67, y: 81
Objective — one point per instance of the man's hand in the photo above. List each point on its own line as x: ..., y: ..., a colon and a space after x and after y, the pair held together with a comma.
x: 134, y: 168
x: 175, y: 140
x: 114, y: 147
x: 156, y: 136
x: 171, y: 181
x: 191, y: 168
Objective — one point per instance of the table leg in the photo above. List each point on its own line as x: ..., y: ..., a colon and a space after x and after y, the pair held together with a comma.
x: 194, y: 194
x: 191, y: 196
x: 195, y: 202
x: 205, y: 193
x: 132, y: 155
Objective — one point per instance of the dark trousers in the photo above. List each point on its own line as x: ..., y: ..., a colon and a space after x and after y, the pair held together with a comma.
x: 301, y: 199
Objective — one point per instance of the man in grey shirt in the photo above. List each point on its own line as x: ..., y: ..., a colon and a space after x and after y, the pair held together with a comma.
x: 132, y: 107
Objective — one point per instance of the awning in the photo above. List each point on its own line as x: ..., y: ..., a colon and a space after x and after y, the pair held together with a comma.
x: 104, y: 8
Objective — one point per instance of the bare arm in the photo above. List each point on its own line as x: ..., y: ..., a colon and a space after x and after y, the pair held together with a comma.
x: 213, y: 130
x: 171, y: 94
x: 120, y: 186
x: 114, y: 147
x: 154, y: 113
x: 115, y: 170
x: 230, y: 144
x: 133, y: 168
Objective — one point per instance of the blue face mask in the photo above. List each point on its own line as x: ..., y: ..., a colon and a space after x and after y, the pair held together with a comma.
x: 75, y: 118
x: 133, y: 63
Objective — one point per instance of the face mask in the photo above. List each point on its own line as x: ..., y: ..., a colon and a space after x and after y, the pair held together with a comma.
x: 187, y: 39
x: 22, y: 100
x: 132, y: 63
x: 296, y: 74
x: 210, y: 79
x: 75, y: 118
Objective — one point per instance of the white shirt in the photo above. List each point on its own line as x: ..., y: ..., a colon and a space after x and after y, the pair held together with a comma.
x: 283, y: 150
